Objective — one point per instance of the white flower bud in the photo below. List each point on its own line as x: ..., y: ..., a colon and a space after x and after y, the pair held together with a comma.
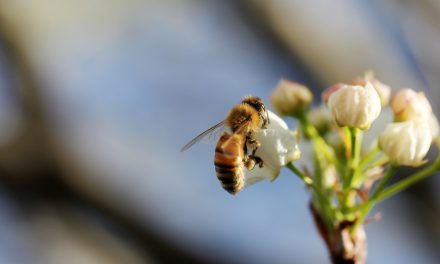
x: 383, y: 90
x: 327, y: 92
x: 290, y: 98
x: 355, y: 106
x: 408, y: 104
x: 406, y: 143
x: 279, y: 146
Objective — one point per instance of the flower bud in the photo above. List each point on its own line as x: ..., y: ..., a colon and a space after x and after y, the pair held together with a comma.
x: 327, y: 92
x: 290, y: 98
x: 383, y: 90
x: 355, y: 106
x: 406, y: 143
x: 408, y: 104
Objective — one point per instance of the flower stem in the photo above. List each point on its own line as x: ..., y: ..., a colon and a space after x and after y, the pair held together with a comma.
x: 370, y: 156
x: 381, y: 161
x: 355, y: 136
x: 307, y: 180
x: 372, y: 201
x: 385, y: 179
x: 407, y: 182
x: 319, y: 144
x: 358, y: 176
x: 348, y: 143
x: 356, y: 144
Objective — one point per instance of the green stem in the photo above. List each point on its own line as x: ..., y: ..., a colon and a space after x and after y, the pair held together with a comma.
x: 349, y: 199
x: 383, y: 182
x: 407, y: 182
x: 319, y: 144
x: 369, y: 157
x: 369, y: 205
x: 358, y: 176
x: 348, y: 140
x: 307, y: 180
x: 381, y: 194
x: 380, y: 161
x: 356, y: 144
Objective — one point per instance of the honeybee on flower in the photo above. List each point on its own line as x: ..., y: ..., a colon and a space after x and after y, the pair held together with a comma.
x: 344, y: 181
x: 253, y: 128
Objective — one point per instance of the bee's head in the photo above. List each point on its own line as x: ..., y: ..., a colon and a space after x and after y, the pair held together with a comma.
x: 255, y: 102
x: 258, y: 104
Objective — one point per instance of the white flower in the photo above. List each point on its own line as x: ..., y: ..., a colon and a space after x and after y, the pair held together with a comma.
x: 355, y: 106
x: 408, y: 104
x: 406, y: 143
x: 290, y: 98
x: 278, y: 148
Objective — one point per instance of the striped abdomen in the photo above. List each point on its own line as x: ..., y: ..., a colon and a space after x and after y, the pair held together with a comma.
x: 228, y: 161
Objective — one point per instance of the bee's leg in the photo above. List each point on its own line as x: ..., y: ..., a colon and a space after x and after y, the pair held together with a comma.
x: 254, y: 144
x: 257, y: 160
x: 253, y: 151
x: 265, y: 121
x: 249, y: 162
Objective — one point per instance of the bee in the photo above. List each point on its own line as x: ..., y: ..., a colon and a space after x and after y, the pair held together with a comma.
x: 231, y: 152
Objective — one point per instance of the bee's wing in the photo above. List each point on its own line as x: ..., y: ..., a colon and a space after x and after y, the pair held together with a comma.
x: 208, y: 133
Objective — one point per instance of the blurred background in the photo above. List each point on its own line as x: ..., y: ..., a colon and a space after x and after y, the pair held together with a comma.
x: 97, y: 97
